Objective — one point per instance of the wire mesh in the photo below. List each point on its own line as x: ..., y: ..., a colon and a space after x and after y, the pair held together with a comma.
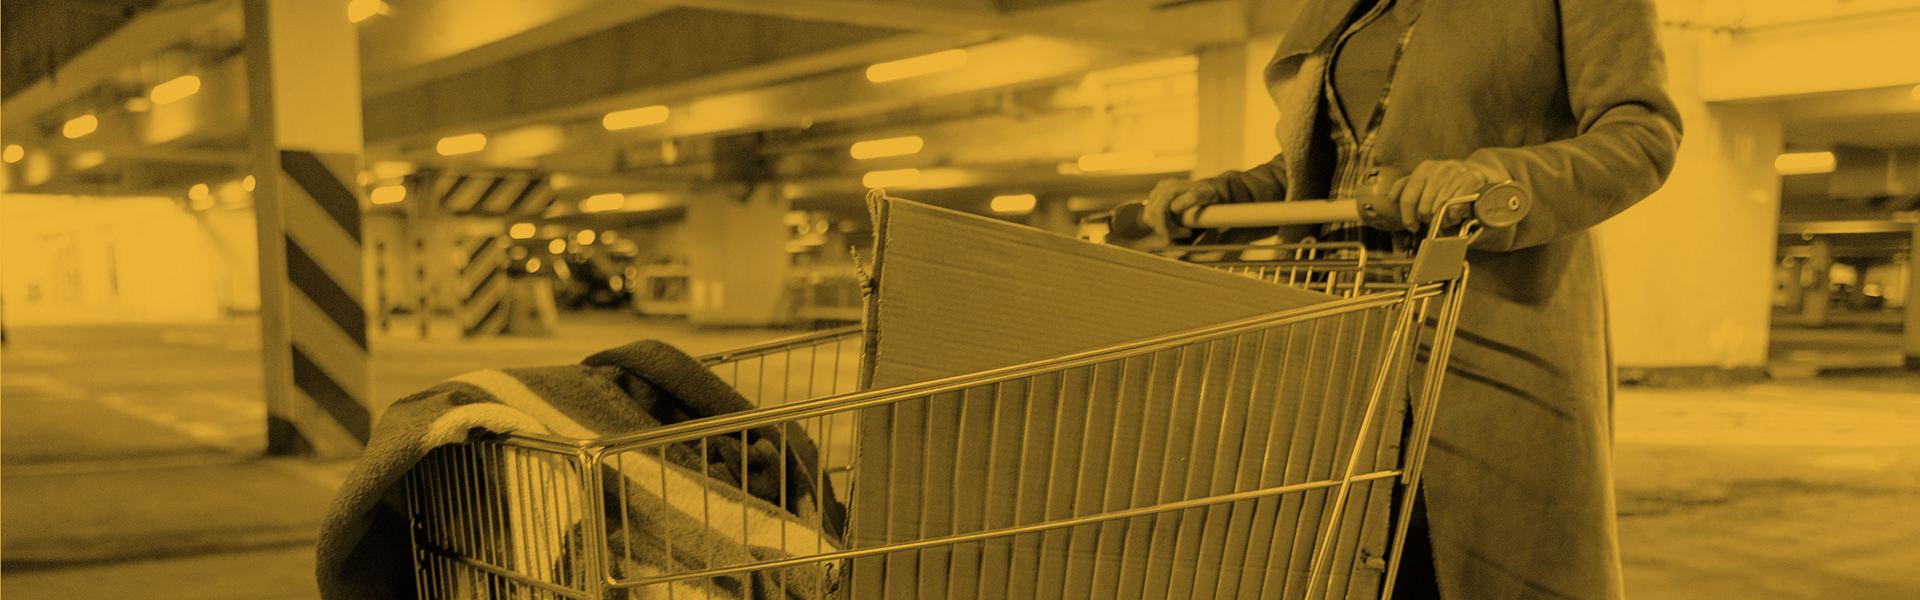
x: 1211, y: 464
x: 497, y: 521
x: 1168, y: 431
x: 1344, y: 269
x: 804, y: 367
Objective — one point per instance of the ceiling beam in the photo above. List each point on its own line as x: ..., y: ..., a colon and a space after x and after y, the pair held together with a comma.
x: 133, y: 174
x: 663, y: 50
x: 786, y: 69
x: 824, y: 96
x: 1153, y: 24
x: 171, y: 156
x: 1183, y: 25
x: 954, y: 17
x: 144, y: 36
x: 1846, y: 227
x: 385, y: 74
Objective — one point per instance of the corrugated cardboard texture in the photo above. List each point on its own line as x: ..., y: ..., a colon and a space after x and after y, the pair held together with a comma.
x: 959, y: 293
x: 1254, y: 411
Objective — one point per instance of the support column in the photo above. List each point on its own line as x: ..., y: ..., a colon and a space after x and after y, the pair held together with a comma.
x: 419, y: 206
x: 304, y: 103
x: 1236, y: 114
x: 441, y: 254
x: 1817, y: 297
x: 737, y: 257
x: 1690, y: 270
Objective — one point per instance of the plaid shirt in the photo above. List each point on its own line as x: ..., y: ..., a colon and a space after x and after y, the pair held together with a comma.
x: 1352, y: 147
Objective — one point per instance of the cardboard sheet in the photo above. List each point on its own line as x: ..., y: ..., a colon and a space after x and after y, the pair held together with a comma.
x: 957, y: 294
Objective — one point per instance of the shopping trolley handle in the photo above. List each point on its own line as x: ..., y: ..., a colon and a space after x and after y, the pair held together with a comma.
x: 1497, y: 205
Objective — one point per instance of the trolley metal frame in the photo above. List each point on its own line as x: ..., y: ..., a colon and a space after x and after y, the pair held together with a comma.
x: 469, y: 541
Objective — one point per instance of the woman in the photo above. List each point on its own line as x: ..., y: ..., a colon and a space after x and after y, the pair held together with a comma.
x: 1566, y: 98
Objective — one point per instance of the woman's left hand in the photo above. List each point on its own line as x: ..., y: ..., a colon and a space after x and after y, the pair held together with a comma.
x: 1435, y: 182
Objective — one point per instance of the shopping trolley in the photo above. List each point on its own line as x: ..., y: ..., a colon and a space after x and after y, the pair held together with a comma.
x: 1267, y: 457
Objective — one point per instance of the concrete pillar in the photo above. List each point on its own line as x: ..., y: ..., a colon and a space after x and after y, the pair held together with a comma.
x: 304, y: 104
x: 736, y: 256
x: 1689, y: 270
x: 387, y: 281
x: 1817, y: 297
x: 1789, y: 285
x: 1236, y: 114
x: 419, y: 207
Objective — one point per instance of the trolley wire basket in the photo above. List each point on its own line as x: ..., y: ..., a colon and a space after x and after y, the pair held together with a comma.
x: 1261, y: 458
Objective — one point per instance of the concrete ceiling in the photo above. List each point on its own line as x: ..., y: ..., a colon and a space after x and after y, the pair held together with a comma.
x: 1886, y: 117
x: 439, y: 67
x: 36, y: 36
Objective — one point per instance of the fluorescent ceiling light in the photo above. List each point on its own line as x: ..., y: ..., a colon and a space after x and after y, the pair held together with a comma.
x: 79, y: 126
x: 1804, y: 163
x: 175, y: 89
x: 649, y: 201
x: 899, y: 146
x: 1017, y: 203
x: 918, y: 65
x: 520, y: 231
x: 896, y: 177
x: 14, y: 153
x: 389, y: 194
x: 603, y: 202
x: 637, y: 117
x: 461, y: 144
x: 200, y: 196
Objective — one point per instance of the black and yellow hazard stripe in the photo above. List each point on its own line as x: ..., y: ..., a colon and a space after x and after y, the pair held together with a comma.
x: 484, y: 287
x: 326, y: 310
x: 513, y: 194
x: 463, y: 192
x: 493, y: 194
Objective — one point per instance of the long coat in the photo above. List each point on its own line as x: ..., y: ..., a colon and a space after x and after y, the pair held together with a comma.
x: 1567, y: 97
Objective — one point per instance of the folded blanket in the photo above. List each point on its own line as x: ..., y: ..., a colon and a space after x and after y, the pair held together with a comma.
x: 691, y: 510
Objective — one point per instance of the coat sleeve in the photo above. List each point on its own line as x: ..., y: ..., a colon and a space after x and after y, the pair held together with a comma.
x: 1266, y: 182
x: 1628, y: 128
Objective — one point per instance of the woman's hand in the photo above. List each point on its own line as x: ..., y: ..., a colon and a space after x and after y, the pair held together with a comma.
x: 1435, y: 182
x: 1166, y: 202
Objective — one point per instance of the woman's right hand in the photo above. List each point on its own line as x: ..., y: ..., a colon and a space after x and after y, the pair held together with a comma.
x: 1166, y: 202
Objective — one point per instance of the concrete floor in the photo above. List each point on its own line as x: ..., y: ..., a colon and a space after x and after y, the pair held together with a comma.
x: 1770, y: 491
x: 132, y: 467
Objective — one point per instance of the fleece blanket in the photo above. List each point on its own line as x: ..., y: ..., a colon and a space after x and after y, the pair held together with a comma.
x: 691, y: 510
